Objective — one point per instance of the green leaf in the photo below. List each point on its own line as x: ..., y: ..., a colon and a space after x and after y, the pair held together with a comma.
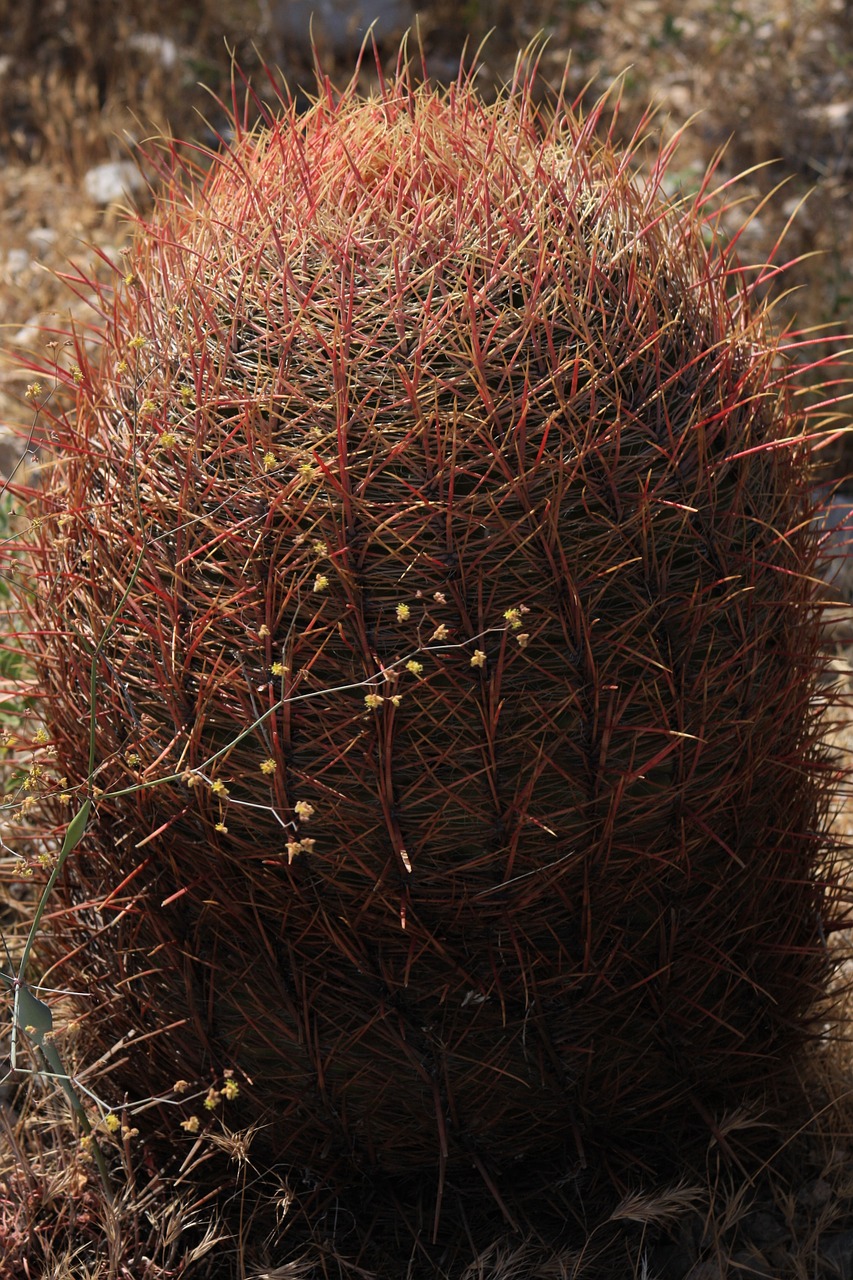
x: 32, y: 1012
x: 76, y: 830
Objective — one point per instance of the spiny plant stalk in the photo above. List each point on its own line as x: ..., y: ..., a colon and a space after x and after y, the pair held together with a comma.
x: 459, y: 780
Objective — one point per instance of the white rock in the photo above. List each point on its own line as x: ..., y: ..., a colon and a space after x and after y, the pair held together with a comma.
x: 17, y: 261
x: 30, y: 334
x: 115, y: 180
x: 832, y: 115
x: 41, y: 238
x: 159, y: 48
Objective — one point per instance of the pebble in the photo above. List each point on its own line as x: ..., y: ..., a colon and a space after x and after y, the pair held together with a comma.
x: 115, y: 180
x: 29, y: 334
x: 17, y: 261
x: 160, y: 49
x: 42, y: 238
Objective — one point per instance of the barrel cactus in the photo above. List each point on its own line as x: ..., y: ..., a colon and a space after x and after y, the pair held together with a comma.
x: 436, y: 494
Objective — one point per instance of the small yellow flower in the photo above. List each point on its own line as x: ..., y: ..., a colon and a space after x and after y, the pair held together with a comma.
x: 211, y: 1102
x: 219, y: 788
x: 33, y: 390
x: 168, y: 440
x: 137, y: 343
x: 269, y: 461
x: 230, y: 1090
x: 513, y: 617
x: 40, y: 736
x: 221, y: 828
x: 373, y: 700
x: 263, y: 632
x: 403, y: 612
x: 440, y: 633
x: 112, y: 1122
x: 180, y: 1086
x: 186, y: 394
x: 319, y: 547
x: 133, y: 759
x: 307, y: 471
x: 77, y: 374
x: 32, y: 778
x: 190, y: 1125
x: 121, y: 367
x: 304, y: 811
x: 268, y: 766
x: 321, y: 582
x: 130, y: 278
x: 396, y: 699
x: 478, y: 658
x: 416, y: 668
x: 278, y: 668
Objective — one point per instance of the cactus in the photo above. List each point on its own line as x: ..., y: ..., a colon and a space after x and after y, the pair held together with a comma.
x: 459, y: 779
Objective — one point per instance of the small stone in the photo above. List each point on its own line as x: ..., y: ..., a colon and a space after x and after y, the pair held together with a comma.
x: 42, y: 238
x: 832, y: 115
x: 115, y: 180
x: 158, y: 48
x: 30, y: 335
x: 16, y: 263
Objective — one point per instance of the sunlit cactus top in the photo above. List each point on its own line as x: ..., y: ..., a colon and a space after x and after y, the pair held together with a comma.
x: 473, y: 624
